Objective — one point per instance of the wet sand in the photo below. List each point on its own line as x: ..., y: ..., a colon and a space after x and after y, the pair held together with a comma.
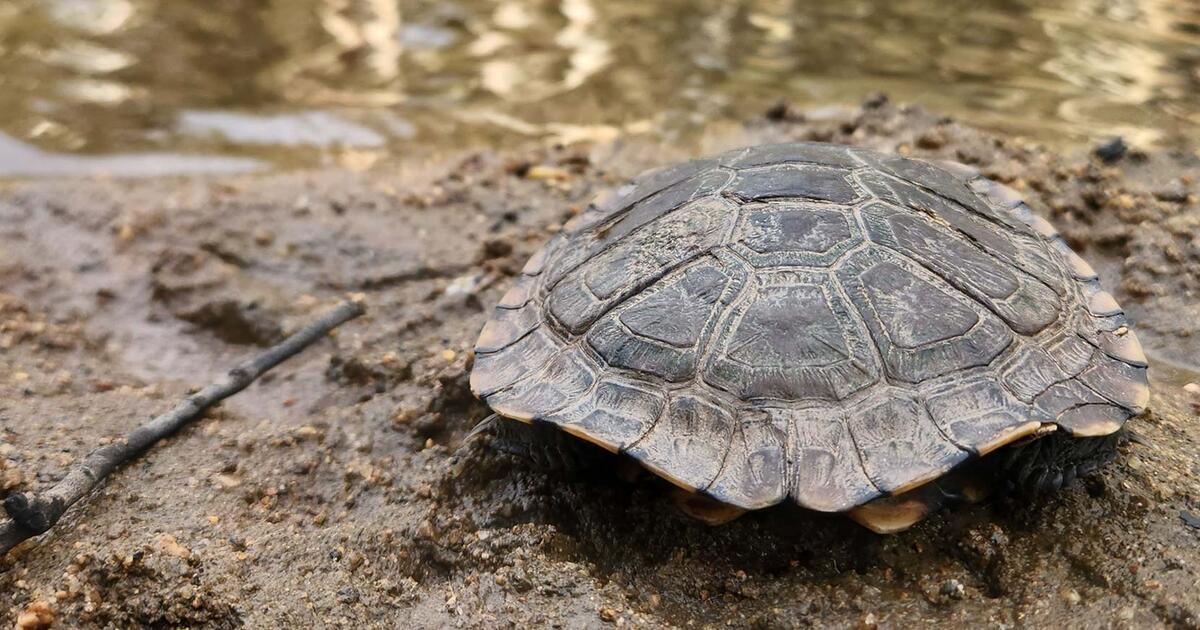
x: 329, y: 494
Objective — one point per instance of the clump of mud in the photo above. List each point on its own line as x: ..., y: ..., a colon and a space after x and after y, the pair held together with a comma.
x: 335, y: 492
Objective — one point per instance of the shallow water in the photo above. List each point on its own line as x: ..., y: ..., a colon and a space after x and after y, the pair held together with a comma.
x: 154, y: 86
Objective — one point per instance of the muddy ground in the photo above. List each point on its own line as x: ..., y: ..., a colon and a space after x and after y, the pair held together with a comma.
x: 330, y: 495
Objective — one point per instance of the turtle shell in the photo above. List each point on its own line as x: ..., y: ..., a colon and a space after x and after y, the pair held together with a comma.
x: 809, y: 321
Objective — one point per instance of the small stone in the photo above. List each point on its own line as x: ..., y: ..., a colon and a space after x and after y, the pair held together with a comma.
x: 227, y: 482
x: 868, y: 622
x: 170, y: 546
x: 1189, y: 519
x: 1111, y: 151
x: 1192, y: 388
x: 36, y: 615
x: 263, y: 236
x: 1174, y: 191
x: 11, y: 479
x: 348, y: 595
x: 551, y: 173
x: 1070, y: 596
x: 608, y: 614
x: 953, y: 589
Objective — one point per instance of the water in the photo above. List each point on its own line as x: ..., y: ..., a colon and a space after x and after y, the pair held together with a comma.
x: 153, y: 86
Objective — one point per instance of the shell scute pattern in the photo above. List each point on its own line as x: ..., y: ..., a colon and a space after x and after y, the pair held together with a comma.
x: 809, y: 321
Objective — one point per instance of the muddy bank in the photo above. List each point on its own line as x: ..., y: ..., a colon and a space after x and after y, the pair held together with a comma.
x: 330, y: 494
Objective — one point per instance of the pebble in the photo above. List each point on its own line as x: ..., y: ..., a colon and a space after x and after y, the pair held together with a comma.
x: 608, y: 614
x: 953, y: 589
x: 36, y: 615
x: 170, y: 546
x: 1174, y: 191
x: 543, y: 172
x: 1192, y: 388
x: 11, y: 478
x: 1070, y: 596
x: 1112, y: 150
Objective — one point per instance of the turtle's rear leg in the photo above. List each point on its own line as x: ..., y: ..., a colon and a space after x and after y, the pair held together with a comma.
x: 541, y: 445
x: 1048, y: 464
x: 1031, y: 469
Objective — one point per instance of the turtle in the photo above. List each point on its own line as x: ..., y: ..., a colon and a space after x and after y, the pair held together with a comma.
x: 853, y: 331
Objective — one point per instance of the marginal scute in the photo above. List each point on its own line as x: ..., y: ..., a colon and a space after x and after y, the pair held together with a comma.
x: 899, y: 445
x: 1123, y: 344
x: 561, y: 383
x: 827, y: 473
x: 537, y: 261
x: 978, y: 414
x: 618, y: 413
x: 963, y: 172
x: 688, y: 443
x: 506, y: 327
x: 1080, y: 268
x: 1101, y: 304
x: 1029, y: 371
x: 497, y: 370
x: 519, y: 295
x: 1042, y: 226
x: 1061, y: 397
x: 1004, y: 197
x: 754, y: 472
x: 1093, y: 420
x: 1120, y: 382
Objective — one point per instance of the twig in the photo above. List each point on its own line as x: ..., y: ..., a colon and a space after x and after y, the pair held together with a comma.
x: 35, y: 515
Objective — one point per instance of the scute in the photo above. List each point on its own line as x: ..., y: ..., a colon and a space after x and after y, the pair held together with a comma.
x: 810, y: 322
x: 899, y: 444
x: 791, y: 337
x: 658, y: 331
x: 917, y: 345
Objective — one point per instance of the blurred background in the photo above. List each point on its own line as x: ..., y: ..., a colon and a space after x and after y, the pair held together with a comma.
x: 160, y: 86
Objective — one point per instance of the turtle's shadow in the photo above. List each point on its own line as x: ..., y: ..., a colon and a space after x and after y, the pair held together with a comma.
x: 633, y: 529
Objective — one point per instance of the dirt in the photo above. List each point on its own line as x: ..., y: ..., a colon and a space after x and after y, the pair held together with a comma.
x: 333, y: 493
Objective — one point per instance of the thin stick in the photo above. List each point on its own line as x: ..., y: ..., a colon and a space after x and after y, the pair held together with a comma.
x: 35, y: 515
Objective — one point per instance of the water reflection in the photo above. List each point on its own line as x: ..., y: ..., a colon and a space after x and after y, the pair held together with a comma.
x: 295, y: 79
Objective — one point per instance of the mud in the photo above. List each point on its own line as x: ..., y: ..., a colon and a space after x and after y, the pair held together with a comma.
x: 333, y: 494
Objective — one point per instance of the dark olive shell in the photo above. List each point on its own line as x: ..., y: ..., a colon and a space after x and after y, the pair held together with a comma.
x: 811, y: 321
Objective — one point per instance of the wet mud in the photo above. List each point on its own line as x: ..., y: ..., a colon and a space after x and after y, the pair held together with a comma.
x: 334, y: 493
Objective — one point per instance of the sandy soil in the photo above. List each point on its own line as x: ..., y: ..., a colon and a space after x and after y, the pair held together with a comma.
x: 329, y: 494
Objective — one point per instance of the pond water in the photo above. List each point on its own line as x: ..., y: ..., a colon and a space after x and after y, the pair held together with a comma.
x: 156, y: 86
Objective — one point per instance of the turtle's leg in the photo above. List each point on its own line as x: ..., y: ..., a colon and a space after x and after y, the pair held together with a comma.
x: 703, y: 508
x: 540, y: 444
x: 896, y: 513
x: 1050, y: 463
